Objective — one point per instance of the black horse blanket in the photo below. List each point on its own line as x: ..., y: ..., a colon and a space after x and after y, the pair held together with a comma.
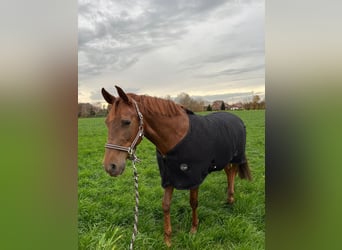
x: 211, y: 143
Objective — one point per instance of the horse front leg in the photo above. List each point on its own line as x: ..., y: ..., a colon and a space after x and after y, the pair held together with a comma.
x: 231, y: 172
x: 194, y: 204
x: 167, y: 219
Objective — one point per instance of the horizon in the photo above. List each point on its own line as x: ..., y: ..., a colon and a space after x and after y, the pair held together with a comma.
x: 228, y: 98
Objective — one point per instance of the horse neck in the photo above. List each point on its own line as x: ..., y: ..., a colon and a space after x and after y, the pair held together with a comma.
x: 166, y: 132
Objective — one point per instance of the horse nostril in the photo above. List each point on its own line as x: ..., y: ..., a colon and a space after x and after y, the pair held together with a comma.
x: 113, y: 166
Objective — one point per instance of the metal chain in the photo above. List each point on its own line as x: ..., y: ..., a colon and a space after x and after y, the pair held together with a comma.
x: 135, y: 226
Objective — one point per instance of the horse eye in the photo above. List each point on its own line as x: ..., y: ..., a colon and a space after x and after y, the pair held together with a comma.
x: 125, y: 122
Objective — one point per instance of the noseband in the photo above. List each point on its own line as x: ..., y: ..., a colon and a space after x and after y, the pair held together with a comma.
x: 140, y: 134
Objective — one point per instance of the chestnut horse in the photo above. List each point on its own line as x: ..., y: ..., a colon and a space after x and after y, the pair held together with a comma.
x: 167, y: 125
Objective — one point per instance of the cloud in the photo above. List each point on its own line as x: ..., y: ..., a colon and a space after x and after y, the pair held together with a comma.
x: 179, y: 43
x: 96, y: 96
x: 234, y: 71
x: 233, y: 55
x: 115, y: 40
x: 223, y: 57
x: 230, y: 97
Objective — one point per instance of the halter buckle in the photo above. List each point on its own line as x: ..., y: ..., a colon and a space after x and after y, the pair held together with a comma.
x: 130, y: 151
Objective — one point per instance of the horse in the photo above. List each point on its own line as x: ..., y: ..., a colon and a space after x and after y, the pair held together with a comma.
x: 188, y: 146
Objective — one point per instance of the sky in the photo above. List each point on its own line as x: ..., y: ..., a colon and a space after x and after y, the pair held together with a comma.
x: 213, y: 49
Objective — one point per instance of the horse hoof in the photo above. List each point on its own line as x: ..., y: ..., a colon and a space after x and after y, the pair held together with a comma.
x: 230, y: 200
x: 168, y: 242
x: 193, y: 230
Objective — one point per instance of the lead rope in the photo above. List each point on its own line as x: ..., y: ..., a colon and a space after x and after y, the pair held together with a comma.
x: 131, y: 156
x: 135, y: 226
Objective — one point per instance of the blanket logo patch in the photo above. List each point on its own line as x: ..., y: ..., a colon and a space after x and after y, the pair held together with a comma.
x: 184, y: 167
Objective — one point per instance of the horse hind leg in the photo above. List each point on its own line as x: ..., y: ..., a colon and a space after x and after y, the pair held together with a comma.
x: 167, y: 219
x: 194, y: 204
x: 231, y: 171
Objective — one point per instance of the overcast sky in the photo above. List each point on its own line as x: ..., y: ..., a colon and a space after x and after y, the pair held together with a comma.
x: 209, y: 48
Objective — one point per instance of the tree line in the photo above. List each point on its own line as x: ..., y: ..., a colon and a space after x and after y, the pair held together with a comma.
x: 255, y: 103
x: 92, y: 110
x: 196, y: 105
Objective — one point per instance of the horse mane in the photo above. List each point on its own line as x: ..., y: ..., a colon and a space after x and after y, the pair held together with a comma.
x: 156, y: 105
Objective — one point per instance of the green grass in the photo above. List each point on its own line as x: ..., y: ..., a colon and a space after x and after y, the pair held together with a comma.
x: 105, y: 217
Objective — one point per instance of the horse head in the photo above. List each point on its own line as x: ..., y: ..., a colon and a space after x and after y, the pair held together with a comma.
x: 124, y: 131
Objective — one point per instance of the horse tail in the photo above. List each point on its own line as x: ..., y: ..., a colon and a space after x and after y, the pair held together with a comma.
x: 244, y: 171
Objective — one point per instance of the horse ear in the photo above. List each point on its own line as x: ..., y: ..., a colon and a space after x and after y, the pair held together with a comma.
x: 108, y: 97
x: 122, y: 94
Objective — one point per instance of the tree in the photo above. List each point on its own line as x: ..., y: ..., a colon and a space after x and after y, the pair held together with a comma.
x: 209, y: 108
x: 262, y: 104
x: 84, y: 109
x: 256, y: 99
x: 186, y: 101
x: 255, y: 103
x: 90, y: 110
x: 223, y: 106
x: 168, y: 97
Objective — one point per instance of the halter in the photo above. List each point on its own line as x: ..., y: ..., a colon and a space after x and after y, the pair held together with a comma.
x: 140, y: 134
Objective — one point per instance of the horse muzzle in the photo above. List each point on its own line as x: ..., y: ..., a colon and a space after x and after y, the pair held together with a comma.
x: 114, y: 169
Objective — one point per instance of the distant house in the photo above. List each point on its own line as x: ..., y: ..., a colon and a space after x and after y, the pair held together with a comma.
x: 217, y: 105
x: 236, y: 106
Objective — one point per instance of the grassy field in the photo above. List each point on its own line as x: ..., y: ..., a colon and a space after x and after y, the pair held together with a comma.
x: 105, y: 217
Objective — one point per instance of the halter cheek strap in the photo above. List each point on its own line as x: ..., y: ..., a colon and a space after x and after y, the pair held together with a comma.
x: 140, y: 134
